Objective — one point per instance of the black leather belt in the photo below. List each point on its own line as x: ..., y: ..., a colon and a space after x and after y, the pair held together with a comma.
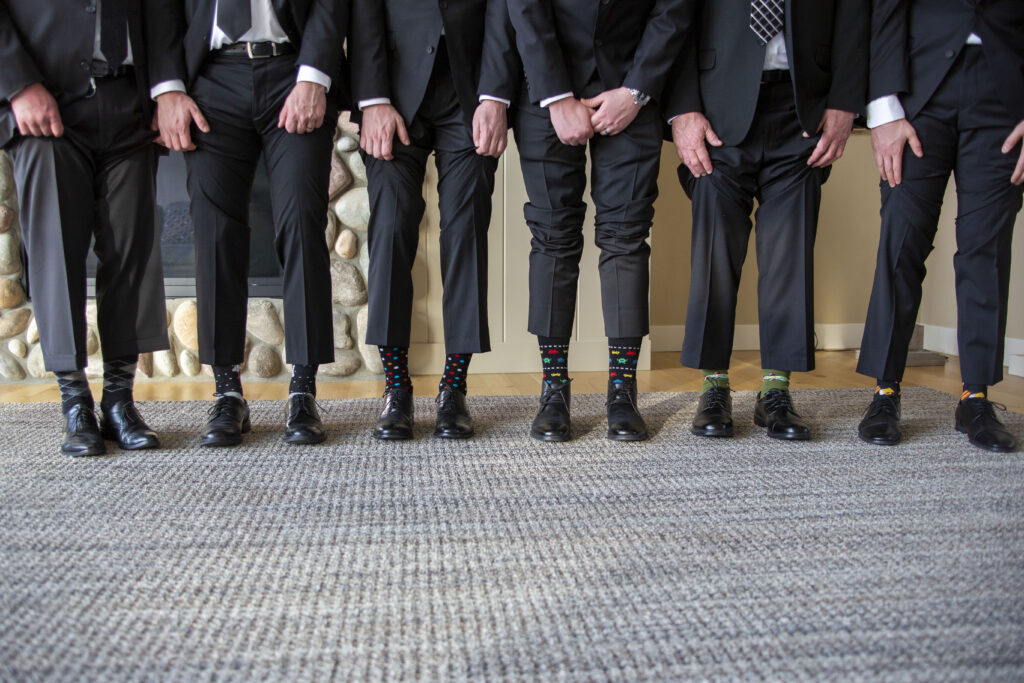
x: 262, y: 50
x: 776, y: 76
x: 100, y: 69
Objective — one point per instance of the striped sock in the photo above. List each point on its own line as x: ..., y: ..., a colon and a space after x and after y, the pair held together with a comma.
x: 714, y: 378
x: 974, y: 391
x: 773, y: 379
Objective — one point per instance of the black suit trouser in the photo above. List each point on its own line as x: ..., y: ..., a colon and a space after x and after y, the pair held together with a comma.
x: 465, y: 185
x: 961, y: 129
x: 242, y: 99
x: 624, y: 185
x: 769, y: 165
x: 97, y: 180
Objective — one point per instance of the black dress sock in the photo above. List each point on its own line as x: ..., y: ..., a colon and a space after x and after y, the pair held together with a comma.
x: 303, y: 379
x: 227, y: 380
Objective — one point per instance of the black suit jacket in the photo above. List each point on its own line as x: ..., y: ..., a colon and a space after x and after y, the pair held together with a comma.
x: 51, y: 43
x: 631, y: 43
x: 719, y: 73
x: 915, y: 42
x: 393, y: 46
x: 179, y: 38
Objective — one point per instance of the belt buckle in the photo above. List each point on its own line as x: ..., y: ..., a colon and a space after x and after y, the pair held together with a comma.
x: 248, y: 50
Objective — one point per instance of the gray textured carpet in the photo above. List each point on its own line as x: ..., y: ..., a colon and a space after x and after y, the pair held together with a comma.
x: 502, y: 557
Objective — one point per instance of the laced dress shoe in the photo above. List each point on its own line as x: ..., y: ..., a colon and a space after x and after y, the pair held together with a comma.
x: 229, y: 419
x: 624, y: 420
x: 120, y: 421
x: 303, y: 425
x: 774, y: 411
x: 552, y: 422
x: 976, y: 417
x: 396, y: 419
x: 714, y: 413
x: 453, y: 418
x: 881, y: 422
x: 81, y: 433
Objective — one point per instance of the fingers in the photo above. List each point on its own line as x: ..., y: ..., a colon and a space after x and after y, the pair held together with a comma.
x: 1012, y: 139
x: 704, y: 159
x: 712, y: 137
x: 403, y: 134
x: 199, y: 119
x: 56, y: 124
x: 820, y: 151
x: 915, y: 145
x: 1018, y: 173
x: 880, y: 163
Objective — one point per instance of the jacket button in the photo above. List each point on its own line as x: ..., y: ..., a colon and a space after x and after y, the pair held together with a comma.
x: 950, y: 53
x: 90, y: 9
x: 86, y: 66
x: 430, y: 49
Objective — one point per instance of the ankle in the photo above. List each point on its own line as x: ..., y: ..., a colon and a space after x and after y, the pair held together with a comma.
x: 227, y: 380
x: 395, y: 360
x: 303, y: 379
x: 554, y: 358
x: 454, y: 376
x: 714, y: 378
x: 773, y: 379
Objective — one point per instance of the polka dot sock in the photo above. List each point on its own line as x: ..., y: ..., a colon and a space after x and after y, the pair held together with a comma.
x: 303, y: 379
x: 227, y: 380
x: 396, y: 367
x: 623, y: 355
x: 456, y: 365
x: 554, y: 358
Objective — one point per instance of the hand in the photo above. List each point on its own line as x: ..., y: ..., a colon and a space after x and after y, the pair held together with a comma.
x: 303, y: 111
x: 689, y: 133
x: 1012, y: 141
x: 887, y: 141
x: 36, y: 112
x: 490, y: 128
x: 615, y: 110
x: 381, y: 122
x: 175, y: 114
x: 835, y: 128
x: 571, y: 120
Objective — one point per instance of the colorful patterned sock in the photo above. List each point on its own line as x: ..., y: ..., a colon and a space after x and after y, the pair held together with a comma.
x: 396, y: 367
x: 303, y: 379
x: 119, y: 379
x: 714, y: 378
x: 456, y: 365
x: 227, y: 380
x: 773, y: 379
x: 888, y: 387
x: 554, y: 358
x: 73, y: 387
x: 623, y: 355
x: 974, y: 391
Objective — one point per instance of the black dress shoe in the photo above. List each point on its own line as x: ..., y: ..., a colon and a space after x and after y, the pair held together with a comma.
x: 120, y: 421
x: 881, y: 423
x: 714, y: 413
x: 229, y: 419
x: 976, y: 418
x: 303, y: 425
x: 453, y: 419
x: 81, y: 433
x: 624, y: 420
x: 775, y: 412
x: 552, y: 421
x: 395, y: 421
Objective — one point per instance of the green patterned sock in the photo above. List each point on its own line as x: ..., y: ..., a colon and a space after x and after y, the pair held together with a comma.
x: 773, y: 379
x: 714, y: 378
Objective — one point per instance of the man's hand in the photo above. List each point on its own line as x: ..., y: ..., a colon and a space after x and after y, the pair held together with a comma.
x: 381, y: 122
x: 303, y: 111
x: 689, y: 133
x: 615, y: 110
x: 571, y: 120
x: 175, y: 114
x: 36, y: 112
x: 835, y: 128
x: 888, y: 141
x: 490, y: 128
x: 1015, y: 139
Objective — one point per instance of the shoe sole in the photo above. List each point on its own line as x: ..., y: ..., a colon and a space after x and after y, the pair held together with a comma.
x: 126, y: 447
x: 781, y: 437
x: 388, y: 436
x: 447, y: 434
x: 990, y: 449
x: 879, y: 441
x: 715, y: 435
x: 628, y: 437
x: 551, y: 438
x: 221, y: 442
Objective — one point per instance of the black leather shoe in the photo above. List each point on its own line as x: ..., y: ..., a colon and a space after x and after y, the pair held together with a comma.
x: 881, y: 423
x: 395, y: 421
x: 552, y: 421
x: 976, y: 418
x: 714, y: 413
x: 229, y: 419
x: 303, y: 425
x: 624, y: 420
x: 121, y: 422
x: 775, y: 412
x: 453, y: 419
x: 81, y: 433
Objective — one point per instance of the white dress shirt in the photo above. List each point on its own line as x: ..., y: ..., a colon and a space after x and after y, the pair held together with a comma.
x: 265, y: 28
x: 97, y: 53
x: 775, y: 56
x: 887, y: 108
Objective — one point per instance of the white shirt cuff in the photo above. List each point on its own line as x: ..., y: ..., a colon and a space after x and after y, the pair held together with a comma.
x: 176, y: 85
x: 363, y: 104
x: 556, y: 98
x: 885, y: 110
x: 492, y: 98
x: 311, y: 75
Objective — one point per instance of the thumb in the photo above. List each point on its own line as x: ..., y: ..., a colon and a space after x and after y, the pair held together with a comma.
x: 1011, y: 141
x: 403, y: 135
x: 200, y: 120
x: 915, y: 145
x: 712, y: 137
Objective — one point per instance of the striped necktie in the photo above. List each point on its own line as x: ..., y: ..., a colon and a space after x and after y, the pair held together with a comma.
x: 767, y: 17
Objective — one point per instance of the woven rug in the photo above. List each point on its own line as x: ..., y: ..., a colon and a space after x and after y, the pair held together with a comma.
x: 505, y: 558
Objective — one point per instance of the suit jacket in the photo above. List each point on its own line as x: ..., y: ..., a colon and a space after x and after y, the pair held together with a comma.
x: 393, y: 47
x: 565, y: 43
x: 914, y: 43
x: 179, y: 38
x: 719, y: 73
x: 51, y: 43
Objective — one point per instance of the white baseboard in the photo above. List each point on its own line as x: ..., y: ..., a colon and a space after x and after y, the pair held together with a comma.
x: 943, y: 340
x: 1016, y: 366
x: 831, y: 337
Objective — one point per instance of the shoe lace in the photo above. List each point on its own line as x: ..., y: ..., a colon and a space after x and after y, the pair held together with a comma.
x: 619, y: 393
x: 320, y: 406
x: 715, y: 397
x: 883, y: 404
x: 987, y: 409
x: 776, y: 400
x: 219, y: 408
x: 554, y: 394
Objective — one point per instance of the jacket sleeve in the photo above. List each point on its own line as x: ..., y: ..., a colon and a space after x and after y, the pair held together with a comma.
x: 165, y: 25
x: 367, y: 51
x: 19, y: 69
x: 547, y: 71
x: 500, y: 67
x: 660, y: 46
x: 682, y: 88
x: 889, y: 71
x: 850, y: 56
x: 323, y: 35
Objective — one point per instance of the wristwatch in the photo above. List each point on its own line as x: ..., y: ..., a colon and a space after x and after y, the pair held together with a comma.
x: 639, y: 98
